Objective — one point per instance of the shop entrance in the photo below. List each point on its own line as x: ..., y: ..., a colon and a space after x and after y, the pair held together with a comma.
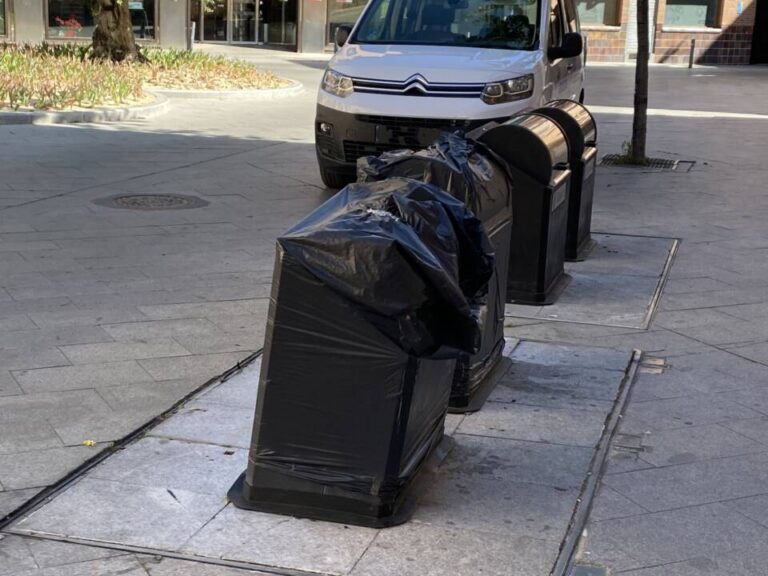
x: 279, y: 22
x: 240, y: 22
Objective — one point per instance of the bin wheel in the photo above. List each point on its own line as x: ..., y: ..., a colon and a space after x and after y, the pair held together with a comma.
x: 334, y: 179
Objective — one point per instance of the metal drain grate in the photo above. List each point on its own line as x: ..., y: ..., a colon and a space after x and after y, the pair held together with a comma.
x: 653, y: 163
x: 152, y: 202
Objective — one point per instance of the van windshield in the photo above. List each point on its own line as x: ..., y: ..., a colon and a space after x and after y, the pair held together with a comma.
x: 510, y: 24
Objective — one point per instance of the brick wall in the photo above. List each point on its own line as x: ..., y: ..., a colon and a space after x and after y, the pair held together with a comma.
x: 606, y: 43
x: 729, y: 44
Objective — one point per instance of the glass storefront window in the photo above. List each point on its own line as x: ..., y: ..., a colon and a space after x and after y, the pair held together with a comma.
x: 215, y: 20
x: 142, y: 18
x: 75, y: 19
x: 3, y: 31
x: 278, y: 22
x: 227, y: 20
x: 598, y: 12
x: 343, y: 12
x: 70, y: 19
x: 691, y: 13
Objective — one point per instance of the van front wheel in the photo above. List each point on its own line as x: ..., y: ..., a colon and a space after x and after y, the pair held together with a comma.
x: 333, y: 177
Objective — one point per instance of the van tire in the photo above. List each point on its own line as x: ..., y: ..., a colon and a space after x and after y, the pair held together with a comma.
x: 333, y: 179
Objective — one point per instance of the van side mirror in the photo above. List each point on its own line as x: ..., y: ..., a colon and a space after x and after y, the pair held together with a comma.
x: 573, y: 45
x: 342, y: 35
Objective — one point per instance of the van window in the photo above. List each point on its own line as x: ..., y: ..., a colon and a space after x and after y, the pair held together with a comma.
x: 509, y: 24
x: 571, y: 15
x: 556, y: 22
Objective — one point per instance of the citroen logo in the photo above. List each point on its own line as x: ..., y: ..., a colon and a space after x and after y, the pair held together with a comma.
x: 417, y: 78
x: 417, y: 82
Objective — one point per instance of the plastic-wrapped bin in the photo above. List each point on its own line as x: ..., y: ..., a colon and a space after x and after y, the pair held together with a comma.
x: 581, y: 131
x: 468, y: 172
x: 535, y: 150
x: 369, y: 310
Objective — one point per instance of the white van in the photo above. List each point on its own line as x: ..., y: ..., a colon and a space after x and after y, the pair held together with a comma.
x: 410, y: 69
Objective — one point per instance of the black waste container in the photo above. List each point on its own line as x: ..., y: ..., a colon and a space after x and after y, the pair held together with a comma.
x: 468, y: 172
x: 535, y: 150
x: 581, y: 131
x: 369, y: 308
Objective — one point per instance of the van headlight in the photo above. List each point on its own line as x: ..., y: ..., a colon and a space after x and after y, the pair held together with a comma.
x: 337, y: 84
x: 518, y: 88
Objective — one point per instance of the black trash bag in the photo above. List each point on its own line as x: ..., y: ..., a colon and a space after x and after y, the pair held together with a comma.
x: 369, y: 309
x: 473, y: 174
x: 370, y: 235
x: 467, y: 170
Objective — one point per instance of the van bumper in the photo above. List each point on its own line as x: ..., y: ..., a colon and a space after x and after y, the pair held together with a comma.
x: 342, y: 137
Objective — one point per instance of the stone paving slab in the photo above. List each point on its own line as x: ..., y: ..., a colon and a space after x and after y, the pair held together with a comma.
x: 615, y: 286
x: 38, y: 468
x: 644, y: 540
x: 41, y: 557
x: 697, y: 483
x: 501, y: 501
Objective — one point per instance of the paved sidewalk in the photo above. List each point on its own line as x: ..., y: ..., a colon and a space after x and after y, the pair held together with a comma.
x: 511, y: 477
x: 109, y: 316
x: 685, y: 491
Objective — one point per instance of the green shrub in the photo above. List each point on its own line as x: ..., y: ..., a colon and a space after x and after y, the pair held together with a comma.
x: 48, y: 77
x: 169, y: 68
x: 55, y: 76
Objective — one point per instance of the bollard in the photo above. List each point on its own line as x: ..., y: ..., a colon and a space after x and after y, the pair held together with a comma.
x: 693, y: 48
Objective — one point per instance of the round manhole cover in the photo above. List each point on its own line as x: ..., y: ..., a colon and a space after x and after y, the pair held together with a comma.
x: 152, y: 201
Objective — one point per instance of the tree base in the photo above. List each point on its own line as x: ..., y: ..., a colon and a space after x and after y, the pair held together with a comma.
x: 113, y: 37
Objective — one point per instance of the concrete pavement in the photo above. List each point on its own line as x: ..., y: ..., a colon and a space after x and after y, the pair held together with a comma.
x: 109, y: 316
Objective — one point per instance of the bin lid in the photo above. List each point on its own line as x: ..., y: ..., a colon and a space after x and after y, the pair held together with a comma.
x: 576, y: 121
x: 529, y: 142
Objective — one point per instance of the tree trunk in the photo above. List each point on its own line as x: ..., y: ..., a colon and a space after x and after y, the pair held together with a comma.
x: 113, y: 37
x: 640, y: 120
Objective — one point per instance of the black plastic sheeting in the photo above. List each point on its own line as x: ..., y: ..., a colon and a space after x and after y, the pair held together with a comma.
x: 416, y: 235
x: 472, y: 174
x: 370, y: 308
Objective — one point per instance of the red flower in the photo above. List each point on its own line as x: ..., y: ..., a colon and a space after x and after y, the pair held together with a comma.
x: 70, y: 22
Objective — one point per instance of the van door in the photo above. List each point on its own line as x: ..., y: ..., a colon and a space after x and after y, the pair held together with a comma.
x: 557, y: 71
x: 575, y: 67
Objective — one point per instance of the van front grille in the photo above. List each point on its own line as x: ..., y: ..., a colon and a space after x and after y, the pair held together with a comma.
x: 355, y: 150
x: 443, y: 124
x: 417, y: 85
x: 397, y: 132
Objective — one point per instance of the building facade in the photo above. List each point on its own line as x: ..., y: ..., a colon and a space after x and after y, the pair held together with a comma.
x: 724, y: 31
x: 35, y: 21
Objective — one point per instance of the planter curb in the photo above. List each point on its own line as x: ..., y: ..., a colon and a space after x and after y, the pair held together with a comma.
x: 256, y: 95
x: 95, y: 115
